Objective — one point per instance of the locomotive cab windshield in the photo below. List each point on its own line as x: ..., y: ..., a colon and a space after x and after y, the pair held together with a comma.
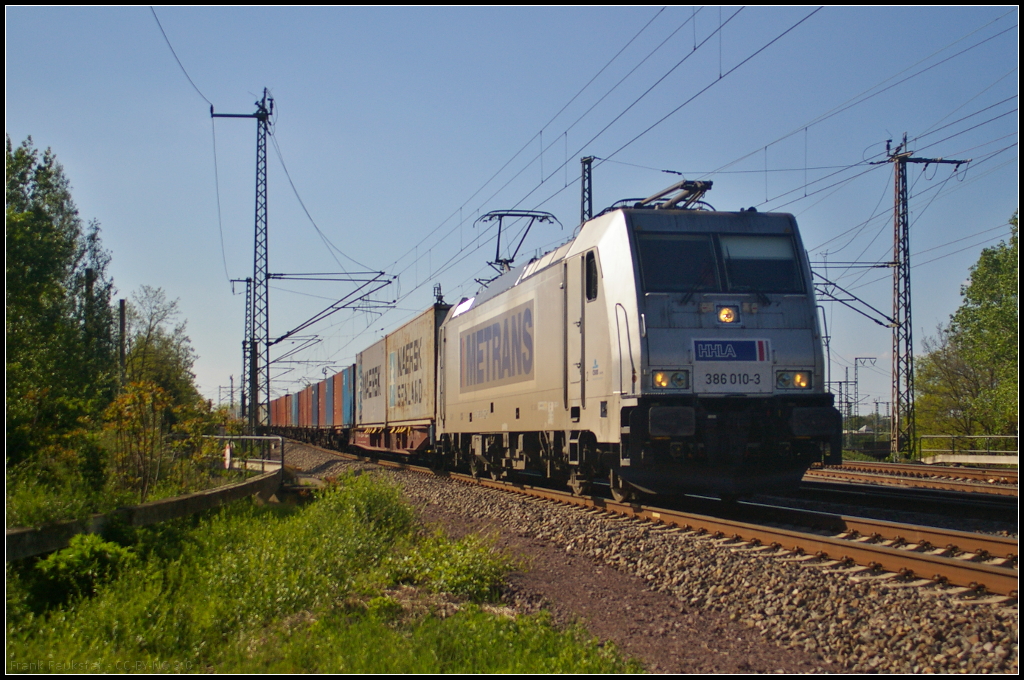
x: 673, y: 258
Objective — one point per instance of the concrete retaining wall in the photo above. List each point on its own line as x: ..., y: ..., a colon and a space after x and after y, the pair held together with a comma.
x: 27, y: 542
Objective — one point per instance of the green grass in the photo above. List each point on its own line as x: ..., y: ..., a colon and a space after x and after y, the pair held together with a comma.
x: 860, y: 457
x: 384, y: 640
x: 342, y: 584
x: 34, y: 498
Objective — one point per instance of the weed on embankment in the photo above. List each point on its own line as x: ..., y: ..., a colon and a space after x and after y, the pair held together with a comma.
x: 342, y: 584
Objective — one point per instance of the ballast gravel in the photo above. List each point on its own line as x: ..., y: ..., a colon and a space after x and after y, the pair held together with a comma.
x: 687, y: 604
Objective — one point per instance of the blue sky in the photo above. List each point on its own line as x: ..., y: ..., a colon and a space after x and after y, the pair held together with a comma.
x: 400, y: 126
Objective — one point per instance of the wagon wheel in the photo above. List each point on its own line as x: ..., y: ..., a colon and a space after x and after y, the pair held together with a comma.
x: 622, y: 492
x: 579, y: 484
x: 476, y: 467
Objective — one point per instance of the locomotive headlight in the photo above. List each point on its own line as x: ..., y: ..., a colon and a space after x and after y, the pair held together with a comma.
x: 793, y: 380
x: 679, y: 380
x: 728, y: 314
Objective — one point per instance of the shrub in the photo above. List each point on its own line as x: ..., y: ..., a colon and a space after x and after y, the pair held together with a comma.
x: 79, y: 569
x: 468, y: 568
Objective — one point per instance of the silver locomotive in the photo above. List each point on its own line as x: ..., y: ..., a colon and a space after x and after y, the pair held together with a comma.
x: 663, y: 349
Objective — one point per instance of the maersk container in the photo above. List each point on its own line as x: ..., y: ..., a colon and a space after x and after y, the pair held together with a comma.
x: 412, y: 368
x: 371, y: 389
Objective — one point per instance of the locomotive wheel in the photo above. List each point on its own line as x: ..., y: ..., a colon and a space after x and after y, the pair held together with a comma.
x: 579, y: 484
x: 476, y: 468
x: 622, y: 492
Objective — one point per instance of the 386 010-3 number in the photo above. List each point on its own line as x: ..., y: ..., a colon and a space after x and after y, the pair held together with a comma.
x: 732, y: 378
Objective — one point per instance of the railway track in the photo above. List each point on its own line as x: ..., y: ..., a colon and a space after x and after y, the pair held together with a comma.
x: 977, y: 566
x: 986, y: 475
x: 949, y: 504
x: 976, y: 482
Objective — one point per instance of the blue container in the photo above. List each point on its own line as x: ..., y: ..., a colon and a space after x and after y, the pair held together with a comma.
x: 348, y: 399
x: 329, y: 405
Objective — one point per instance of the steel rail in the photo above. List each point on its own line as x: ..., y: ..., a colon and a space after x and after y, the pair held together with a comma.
x: 892, y: 480
x: 980, y: 545
x: 991, y: 475
x: 940, y: 568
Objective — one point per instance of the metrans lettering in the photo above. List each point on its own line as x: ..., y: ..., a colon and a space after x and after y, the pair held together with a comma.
x: 498, y: 351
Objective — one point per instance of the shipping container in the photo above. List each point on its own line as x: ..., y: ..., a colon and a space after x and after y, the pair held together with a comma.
x: 315, y: 407
x: 305, y: 406
x: 326, y: 390
x: 411, y: 363
x: 344, y: 397
x: 371, y: 402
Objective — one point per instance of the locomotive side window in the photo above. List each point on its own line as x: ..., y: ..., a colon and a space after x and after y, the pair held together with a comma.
x: 764, y: 264
x: 677, y: 263
x: 591, y: 276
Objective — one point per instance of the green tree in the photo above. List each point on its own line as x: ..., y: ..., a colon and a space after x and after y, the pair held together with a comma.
x: 967, y: 382
x: 949, y: 386
x: 159, y: 351
x: 59, y: 323
x: 986, y: 326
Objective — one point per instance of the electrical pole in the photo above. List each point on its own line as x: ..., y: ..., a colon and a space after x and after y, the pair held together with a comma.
x: 258, y: 302
x: 247, y: 338
x: 121, y: 339
x: 586, y: 189
x: 856, y: 381
x: 903, y: 433
x: 843, y: 400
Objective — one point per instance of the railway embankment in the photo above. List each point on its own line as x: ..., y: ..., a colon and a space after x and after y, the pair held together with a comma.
x: 716, y: 593
x: 686, y: 603
x: 346, y: 583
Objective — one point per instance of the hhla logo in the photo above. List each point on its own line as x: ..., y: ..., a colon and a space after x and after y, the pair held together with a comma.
x: 715, y: 351
x: 731, y: 350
